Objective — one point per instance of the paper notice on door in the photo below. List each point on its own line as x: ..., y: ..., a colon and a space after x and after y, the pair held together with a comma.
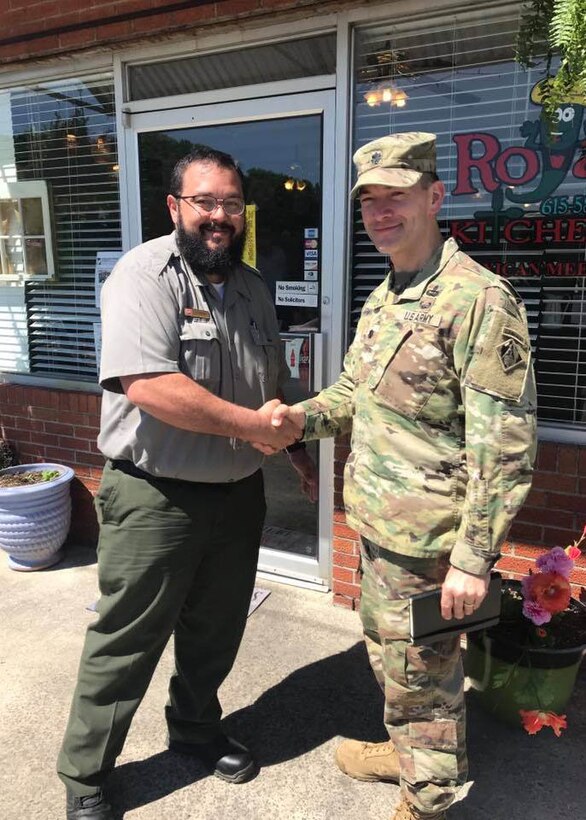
x: 296, y: 293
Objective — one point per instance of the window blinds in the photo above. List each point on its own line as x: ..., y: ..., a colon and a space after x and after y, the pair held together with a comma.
x: 516, y: 197
x: 64, y: 133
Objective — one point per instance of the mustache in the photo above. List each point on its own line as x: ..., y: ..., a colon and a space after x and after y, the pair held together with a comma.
x: 216, y: 225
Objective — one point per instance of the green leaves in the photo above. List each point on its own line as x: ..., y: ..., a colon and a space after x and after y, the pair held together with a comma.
x: 555, y: 26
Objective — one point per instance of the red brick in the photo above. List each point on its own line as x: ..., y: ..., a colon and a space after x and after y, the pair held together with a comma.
x: 547, y: 457
x: 556, y: 537
x: 73, y: 443
x: 340, y: 515
x: 568, y: 460
x: 527, y: 551
x: 351, y: 590
x: 582, y: 461
x: 510, y: 564
x: 578, y: 576
x: 47, y: 438
x: 90, y: 458
x: 343, y: 574
x: 342, y: 600
x: 232, y: 8
x: 344, y: 531
x: 57, y: 428
x: 555, y: 481
x: 536, y: 498
x: 59, y: 454
x: 76, y: 38
x: 575, y: 503
x: 113, y: 31
x: 345, y: 546
x: 342, y: 559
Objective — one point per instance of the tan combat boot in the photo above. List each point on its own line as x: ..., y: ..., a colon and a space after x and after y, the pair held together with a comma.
x: 368, y: 761
x: 406, y: 811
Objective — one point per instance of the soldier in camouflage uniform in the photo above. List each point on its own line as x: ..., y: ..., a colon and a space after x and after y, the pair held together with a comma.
x: 438, y: 389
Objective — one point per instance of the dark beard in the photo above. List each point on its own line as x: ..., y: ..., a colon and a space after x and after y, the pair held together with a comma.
x: 205, y: 260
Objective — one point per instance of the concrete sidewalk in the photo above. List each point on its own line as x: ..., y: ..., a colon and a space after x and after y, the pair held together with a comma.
x: 300, y: 683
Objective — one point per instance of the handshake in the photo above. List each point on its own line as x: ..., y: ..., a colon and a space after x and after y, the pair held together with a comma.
x: 279, y: 426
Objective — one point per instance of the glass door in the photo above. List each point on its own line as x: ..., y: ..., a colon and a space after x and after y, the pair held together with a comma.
x: 279, y: 144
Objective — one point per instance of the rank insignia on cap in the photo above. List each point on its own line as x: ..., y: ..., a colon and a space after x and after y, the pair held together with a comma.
x: 511, y: 354
x: 376, y: 157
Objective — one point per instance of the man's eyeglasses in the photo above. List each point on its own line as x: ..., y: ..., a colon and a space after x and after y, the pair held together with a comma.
x: 231, y: 205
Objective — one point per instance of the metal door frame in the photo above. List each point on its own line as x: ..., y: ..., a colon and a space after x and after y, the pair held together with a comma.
x: 287, y: 567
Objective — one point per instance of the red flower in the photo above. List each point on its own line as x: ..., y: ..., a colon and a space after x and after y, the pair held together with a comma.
x: 573, y: 552
x: 534, y: 721
x: 550, y: 590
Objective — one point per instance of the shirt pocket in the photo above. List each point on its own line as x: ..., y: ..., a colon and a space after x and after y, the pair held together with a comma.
x: 267, y: 351
x: 200, y: 352
x: 408, y: 373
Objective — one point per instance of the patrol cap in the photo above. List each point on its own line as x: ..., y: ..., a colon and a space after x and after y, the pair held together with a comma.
x: 398, y: 160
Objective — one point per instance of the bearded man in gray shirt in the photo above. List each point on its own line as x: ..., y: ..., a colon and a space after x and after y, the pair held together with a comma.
x: 191, y: 369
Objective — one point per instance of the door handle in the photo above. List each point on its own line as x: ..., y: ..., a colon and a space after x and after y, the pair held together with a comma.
x: 318, y: 361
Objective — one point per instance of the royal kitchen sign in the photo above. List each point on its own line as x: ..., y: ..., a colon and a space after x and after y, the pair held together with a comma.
x: 549, y: 156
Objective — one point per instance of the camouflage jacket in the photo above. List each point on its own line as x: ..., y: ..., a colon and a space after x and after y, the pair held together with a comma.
x: 438, y: 388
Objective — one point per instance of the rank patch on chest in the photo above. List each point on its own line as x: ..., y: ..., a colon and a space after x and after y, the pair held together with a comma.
x: 196, y: 313
x: 422, y: 318
x: 434, y: 290
x: 511, y: 354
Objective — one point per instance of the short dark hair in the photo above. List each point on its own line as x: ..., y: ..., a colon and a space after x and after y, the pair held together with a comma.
x: 202, y: 153
x: 428, y: 178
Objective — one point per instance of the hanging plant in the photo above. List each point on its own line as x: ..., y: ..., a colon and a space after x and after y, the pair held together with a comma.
x: 551, y: 27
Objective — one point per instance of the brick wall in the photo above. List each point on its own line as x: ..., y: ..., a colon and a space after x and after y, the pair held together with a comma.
x: 37, y: 28
x: 58, y: 426
x: 553, y: 515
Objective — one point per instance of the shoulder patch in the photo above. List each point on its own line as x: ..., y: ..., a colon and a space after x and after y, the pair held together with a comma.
x: 501, y: 360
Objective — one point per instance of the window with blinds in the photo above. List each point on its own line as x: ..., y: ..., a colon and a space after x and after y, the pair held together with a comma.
x: 64, y: 134
x: 516, y: 194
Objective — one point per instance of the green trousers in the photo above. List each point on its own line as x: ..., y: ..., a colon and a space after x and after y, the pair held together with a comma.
x: 173, y: 558
x: 425, y: 713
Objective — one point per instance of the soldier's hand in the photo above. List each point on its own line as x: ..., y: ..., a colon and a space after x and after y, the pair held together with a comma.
x: 462, y: 593
x: 293, y: 413
x: 305, y: 468
x: 270, y: 438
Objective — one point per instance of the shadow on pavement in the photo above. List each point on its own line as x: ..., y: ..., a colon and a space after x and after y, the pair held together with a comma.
x: 334, y: 696
x: 338, y: 696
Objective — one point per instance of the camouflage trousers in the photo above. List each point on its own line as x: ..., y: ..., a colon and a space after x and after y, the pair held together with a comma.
x: 423, y: 685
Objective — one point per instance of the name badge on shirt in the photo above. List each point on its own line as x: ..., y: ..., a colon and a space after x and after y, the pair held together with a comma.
x: 196, y: 313
x: 422, y: 318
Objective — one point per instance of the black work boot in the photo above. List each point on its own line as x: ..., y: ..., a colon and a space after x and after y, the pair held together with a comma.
x: 222, y: 756
x: 90, y: 807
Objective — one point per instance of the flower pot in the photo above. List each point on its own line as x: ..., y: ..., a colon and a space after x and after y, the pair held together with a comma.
x: 35, y: 518
x: 508, y: 677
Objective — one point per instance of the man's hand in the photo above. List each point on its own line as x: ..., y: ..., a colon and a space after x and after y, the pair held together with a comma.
x: 293, y: 413
x: 271, y: 438
x: 304, y: 466
x: 283, y: 418
x: 462, y: 593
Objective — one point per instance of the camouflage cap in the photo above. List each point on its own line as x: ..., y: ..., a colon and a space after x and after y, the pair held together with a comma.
x: 398, y: 160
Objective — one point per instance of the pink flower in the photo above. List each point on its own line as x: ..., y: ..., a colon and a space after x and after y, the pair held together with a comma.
x: 534, y: 721
x: 549, y: 589
x: 573, y: 552
x: 536, y: 613
x: 556, y: 560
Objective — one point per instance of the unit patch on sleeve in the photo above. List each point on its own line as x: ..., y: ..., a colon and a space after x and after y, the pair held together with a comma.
x: 501, y: 358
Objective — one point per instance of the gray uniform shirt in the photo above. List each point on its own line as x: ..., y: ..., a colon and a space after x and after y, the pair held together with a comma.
x: 158, y: 316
